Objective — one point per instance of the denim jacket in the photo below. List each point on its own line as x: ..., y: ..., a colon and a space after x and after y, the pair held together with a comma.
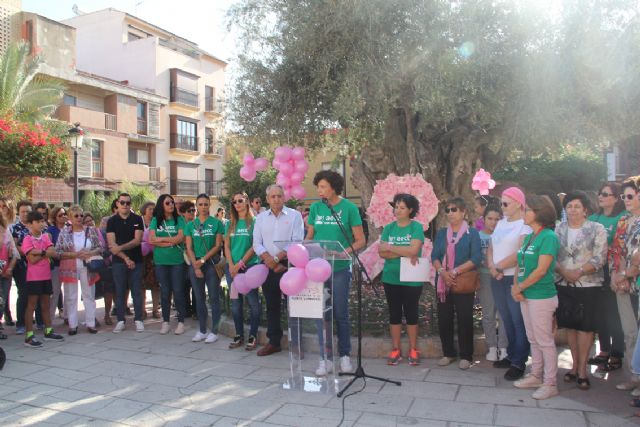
x: 468, y: 247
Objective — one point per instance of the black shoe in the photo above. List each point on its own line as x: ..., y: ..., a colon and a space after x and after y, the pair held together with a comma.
x: 32, y: 342
x: 52, y: 336
x: 502, y: 364
x: 3, y: 358
x: 513, y: 374
x: 10, y: 323
x: 73, y: 331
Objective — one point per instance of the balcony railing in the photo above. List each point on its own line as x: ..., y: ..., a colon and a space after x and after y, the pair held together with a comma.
x: 96, y: 169
x: 212, y: 148
x: 142, y: 127
x: 188, y: 187
x: 211, y: 105
x: 184, y: 142
x: 110, y: 121
x: 184, y: 96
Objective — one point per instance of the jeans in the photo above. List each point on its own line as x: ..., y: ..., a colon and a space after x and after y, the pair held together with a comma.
x: 511, y: 315
x: 124, y: 278
x: 212, y: 282
x: 339, y: 312
x: 171, y: 278
x: 237, y: 309
x: 5, y: 288
x: 490, y: 319
x: 538, y: 319
x: 20, y: 276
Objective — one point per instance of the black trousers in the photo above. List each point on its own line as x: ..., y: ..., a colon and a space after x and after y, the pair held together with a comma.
x: 460, y: 308
x: 609, y: 328
x: 273, y: 297
x: 20, y: 277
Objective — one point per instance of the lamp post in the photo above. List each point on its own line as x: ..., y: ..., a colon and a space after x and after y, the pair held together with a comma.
x: 76, y: 135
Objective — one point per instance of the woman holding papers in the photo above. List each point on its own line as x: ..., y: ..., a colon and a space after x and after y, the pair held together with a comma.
x: 402, y: 238
x: 456, y: 255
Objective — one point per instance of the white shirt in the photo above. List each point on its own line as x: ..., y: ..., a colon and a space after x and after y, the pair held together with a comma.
x: 80, y: 242
x: 506, y: 240
x: 268, y: 228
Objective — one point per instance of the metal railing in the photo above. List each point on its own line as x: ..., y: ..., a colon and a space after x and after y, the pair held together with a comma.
x: 211, y: 105
x: 191, y: 188
x: 142, y: 127
x: 110, y: 121
x: 211, y: 147
x: 97, y: 169
x: 183, y: 142
x: 183, y: 96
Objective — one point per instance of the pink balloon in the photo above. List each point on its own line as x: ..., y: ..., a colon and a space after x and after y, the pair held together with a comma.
x: 283, y: 153
x: 240, y: 283
x: 283, y: 180
x: 297, y: 153
x: 247, y: 173
x: 256, y: 276
x: 248, y: 159
x: 276, y: 164
x: 287, y: 193
x: 260, y: 164
x: 301, y: 166
x: 293, y: 281
x: 298, y: 255
x: 298, y: 192
x: 286, y: 169
x: 296, y: 178
x: 318, y: 270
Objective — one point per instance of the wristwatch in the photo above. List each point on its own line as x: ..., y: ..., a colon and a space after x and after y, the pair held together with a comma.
x: 276, y: 259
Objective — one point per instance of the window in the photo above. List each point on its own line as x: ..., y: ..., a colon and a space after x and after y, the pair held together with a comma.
x: 96, y: 158
x: 69, y: 100
x: 183, y: 87
x: 138, y: 155
x: 141, y: 112
x: 209, y: 99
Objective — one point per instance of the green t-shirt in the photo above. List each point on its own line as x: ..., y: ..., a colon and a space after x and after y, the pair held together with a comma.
x: 325, y: 226
x: 609, y: 223
x: 545, y: 243
x: 173, y: 255
x: 240, y: 241
x: 201, y: 245
x: 399, y: 236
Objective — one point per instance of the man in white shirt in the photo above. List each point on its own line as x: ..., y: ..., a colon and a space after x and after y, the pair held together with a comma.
x: 279, y: 223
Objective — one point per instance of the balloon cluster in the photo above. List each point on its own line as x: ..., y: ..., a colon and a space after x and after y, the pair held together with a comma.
x: 252, y: 279
x: 291, y: 166
x: 305, y: 270
x: 482, y: 182
x: 251, y: 166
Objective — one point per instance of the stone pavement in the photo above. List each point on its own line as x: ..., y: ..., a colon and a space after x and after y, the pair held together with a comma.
x: 145, y: 379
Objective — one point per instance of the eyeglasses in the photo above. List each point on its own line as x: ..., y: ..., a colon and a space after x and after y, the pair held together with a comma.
x: 447, y: 210
x: 627, y: 196
x: 192, y: 210
x: 505, y: 204
x: 60, y: 215
x: 124, y: 202
x: 605, y: 194
x: 169, y: 202
x: 238, y: 201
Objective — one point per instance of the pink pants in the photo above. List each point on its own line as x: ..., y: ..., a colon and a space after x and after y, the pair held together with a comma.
x: 538, y: 321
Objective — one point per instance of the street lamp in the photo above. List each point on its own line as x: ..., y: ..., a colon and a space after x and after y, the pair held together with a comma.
x: 76, y: 135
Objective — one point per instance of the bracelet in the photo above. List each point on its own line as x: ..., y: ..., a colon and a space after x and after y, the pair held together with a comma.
x: 440, y: 270
x: 241, y: 264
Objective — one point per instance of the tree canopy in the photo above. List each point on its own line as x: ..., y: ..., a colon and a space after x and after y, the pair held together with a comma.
x: 436, y: 87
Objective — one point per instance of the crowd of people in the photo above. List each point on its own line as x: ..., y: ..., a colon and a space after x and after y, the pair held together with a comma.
x: 535, y: 263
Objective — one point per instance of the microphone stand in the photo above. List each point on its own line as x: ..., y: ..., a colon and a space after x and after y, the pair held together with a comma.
x: 357, y: 276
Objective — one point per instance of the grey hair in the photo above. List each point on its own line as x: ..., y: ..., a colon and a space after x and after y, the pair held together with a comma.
x: 272, y: 186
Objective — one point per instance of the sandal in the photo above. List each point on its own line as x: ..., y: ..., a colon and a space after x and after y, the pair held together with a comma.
x: 598, y: 360
x: 584, y: 383
x: 613, y: 364
x: 569, y: 377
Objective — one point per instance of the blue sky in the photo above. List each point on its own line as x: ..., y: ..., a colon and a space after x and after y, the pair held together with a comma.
x: 201, y: 21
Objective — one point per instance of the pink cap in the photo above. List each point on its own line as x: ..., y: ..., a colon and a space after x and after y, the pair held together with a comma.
x: 516, y: 194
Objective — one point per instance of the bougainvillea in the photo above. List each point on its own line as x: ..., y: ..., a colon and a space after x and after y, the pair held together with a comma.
x: 29, y: 150
x: 381, y: 212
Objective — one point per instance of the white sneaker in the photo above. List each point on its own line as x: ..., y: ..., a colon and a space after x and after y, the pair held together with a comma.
x: 492, y: 355
x: 635, y: 392
x: 324, y: 367
x: 446, y: 361
x: 211, y: 338
x: 503, y: 353
x: 119, y: 327
x: 179, y: 329
x: 545, y: 392
x: 199, y: 336
x: 164, y: 329
x: 139, y: 326
x: 530, y: 381
x: 464, y: 364
x: 345, y: 364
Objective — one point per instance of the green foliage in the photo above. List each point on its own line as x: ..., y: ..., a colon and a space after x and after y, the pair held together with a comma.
x: 140, y: 194
x: 99, y: 202
x: 234, y: 184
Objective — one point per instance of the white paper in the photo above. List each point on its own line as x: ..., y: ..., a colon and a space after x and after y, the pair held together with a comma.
x: 414, y: 273
x: 309, y: 303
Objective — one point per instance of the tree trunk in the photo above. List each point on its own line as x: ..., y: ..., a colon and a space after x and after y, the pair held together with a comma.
x: 446, y: 158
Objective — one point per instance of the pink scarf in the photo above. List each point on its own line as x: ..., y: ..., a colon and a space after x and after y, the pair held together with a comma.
x: 450, y: 257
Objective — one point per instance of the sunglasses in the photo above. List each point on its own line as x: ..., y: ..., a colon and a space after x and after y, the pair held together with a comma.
x: 124, y: 202
x: 203, y: 204
x: 605, y: 194
x: 191, y: 210
x: 169, y: 202
x: 447, y: 210
x: 627, y: 196
x: 60, y: 215
x: 238, y: 201
x: 78, y: 215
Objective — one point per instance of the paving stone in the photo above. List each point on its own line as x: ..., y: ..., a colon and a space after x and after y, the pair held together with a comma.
x: 510, y: 396
x: 158, y: 415
x: 453, y: 375
x: 167, y: 377
x: 609, y: 420
x: 19, y: 370
x: 452, y: 411
x: 369, y: 402
x: 156, y: 393
x: 113, y: 386
x: 230, y: 406
x: 119, y: 369
x: 59, y: 376
x: 332, y: 415
x: 380, y: 420
x: 535, y: 417
x: 421, y: 389
x: 560, y: 402
x: 278, y: 394
x: 69, y: 361
x: 108, y: 408
x: 42, y: 416
x: 234, y: 387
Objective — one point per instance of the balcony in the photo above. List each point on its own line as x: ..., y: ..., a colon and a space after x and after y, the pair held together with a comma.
x: 212, y: 105
x: 212, y: 150
x: 97, y: 169
x: 110, y: 122
x: 183, y: 96
x: 184, y: 143
x: 88, y: 118
x: 191, y: 188
x: 142, y: 127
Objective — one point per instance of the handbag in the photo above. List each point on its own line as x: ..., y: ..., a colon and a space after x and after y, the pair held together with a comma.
x: 467, y: 283
x: 570, y: 312
x: 96, y: 263
x: 216, y: 258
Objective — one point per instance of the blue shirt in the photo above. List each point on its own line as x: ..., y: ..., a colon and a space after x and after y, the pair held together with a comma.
x: 468, y: 248
x: 54, y: 232
x: 268, y: 228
